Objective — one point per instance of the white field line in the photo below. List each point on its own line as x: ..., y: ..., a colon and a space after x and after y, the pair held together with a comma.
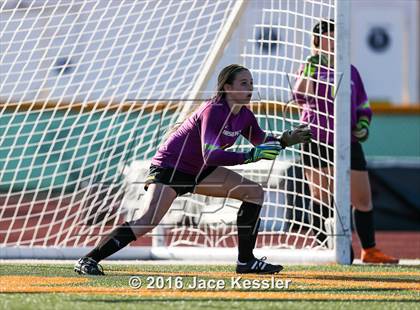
x: 405, y: 262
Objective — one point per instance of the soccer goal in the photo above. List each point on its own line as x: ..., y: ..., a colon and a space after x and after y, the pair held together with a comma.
x: 88, y: 90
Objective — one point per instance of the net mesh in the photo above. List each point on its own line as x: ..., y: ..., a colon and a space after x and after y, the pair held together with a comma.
x: 276, y: 52
x: 88, y: 90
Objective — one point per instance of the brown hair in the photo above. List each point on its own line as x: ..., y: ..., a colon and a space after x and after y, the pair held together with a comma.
x: 323, y: 26
x: 226, y: 76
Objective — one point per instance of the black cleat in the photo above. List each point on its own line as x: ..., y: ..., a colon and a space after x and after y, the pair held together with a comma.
x: 88, y: 266
x: 258, y: 266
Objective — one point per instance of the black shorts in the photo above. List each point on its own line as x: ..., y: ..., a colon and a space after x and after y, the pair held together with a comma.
x: 321, y: 156
x: 358, y: 160
x: 181, y: 182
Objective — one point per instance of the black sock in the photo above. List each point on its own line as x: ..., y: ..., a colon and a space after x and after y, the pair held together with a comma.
x: 320, y: 214
x: 255, y: 235
x: 115, y: 241
x: 363, y: 223
x: 248, y: 224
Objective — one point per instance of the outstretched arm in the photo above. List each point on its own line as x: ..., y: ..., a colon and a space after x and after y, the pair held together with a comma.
x: 257, y: 136
x: 213, y: 154
x: 254, y: 134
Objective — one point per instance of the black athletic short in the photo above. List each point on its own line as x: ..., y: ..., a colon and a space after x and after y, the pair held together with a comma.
x: 181, y: 182
x: 358, y: 160
x: 319, y: 156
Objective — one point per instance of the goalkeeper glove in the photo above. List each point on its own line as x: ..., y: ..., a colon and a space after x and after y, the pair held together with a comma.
x: 267, y: 150
x: 361, y: 132
x: 301, y: 134
x: 312, y: 62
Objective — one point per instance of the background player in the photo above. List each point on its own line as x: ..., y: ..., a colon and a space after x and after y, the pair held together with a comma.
x: 190, y: 160
x: 313, y: 92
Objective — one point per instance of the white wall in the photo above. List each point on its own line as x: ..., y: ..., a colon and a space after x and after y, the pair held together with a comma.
x: 392, y: 74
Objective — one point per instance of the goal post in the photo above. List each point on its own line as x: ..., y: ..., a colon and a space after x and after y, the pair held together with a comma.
x: 89, y: 89
x: 342, y: 133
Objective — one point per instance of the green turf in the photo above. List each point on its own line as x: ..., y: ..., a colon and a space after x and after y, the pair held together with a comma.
x: 118, y: 275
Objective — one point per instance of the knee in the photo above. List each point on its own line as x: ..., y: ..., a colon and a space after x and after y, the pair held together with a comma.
x: 361, y: 200
x: 363, y: 205
x: 254, y: 194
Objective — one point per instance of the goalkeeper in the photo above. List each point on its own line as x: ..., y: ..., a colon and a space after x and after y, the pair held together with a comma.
x: 314, y: 93
x: 191, y: 160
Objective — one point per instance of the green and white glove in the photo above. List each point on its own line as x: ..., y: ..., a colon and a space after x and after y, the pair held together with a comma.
x: 268, y: 150
x: 301, y: 134
x: 361, y: 132
x: 312, y: 62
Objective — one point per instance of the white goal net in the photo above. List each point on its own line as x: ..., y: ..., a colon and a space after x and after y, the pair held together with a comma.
x: 88, y: 89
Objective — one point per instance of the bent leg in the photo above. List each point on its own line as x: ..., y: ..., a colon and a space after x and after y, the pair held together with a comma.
x: 226, y: 183
x: 223, y: 182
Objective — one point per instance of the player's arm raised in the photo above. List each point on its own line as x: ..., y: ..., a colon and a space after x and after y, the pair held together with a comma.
x: 304, y: 87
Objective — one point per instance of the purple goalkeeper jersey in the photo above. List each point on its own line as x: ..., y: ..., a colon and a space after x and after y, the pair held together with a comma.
x: 202, y: 138
x: 318, y: 110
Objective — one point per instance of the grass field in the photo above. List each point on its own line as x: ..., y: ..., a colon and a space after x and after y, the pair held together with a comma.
x: 52, y: 286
